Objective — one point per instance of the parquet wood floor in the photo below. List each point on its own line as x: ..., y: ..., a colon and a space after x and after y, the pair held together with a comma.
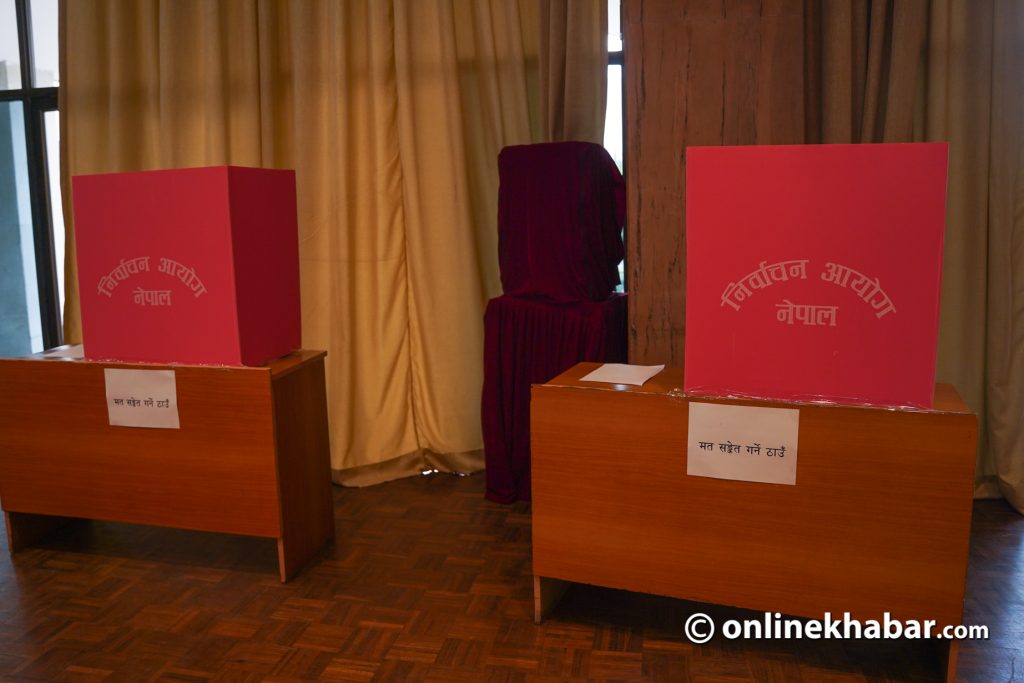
x: 426, y: 582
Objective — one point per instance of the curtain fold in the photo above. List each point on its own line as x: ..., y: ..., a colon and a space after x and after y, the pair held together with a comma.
x: 864, y: 58
x: 573, y: 69
x: 392, y: 114
x: 947, y: 70
x: 974, y: 99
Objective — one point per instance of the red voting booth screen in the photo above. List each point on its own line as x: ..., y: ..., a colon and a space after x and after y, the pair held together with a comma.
x: 813, y: 272
x: 196, y: 265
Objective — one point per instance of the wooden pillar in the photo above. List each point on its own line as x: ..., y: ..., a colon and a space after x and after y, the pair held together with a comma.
x: 698, y: 72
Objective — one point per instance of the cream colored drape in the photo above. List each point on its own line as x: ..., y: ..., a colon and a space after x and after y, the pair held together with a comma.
x: 573, y: 69
x: 392, y: 113
x: 865, y: 58
x: 948, y: 70
x: 974, y: 98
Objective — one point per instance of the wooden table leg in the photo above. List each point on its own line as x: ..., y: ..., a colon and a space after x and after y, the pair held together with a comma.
x: 293, y: 555
x: 303, y: 468
x: 546, y: 594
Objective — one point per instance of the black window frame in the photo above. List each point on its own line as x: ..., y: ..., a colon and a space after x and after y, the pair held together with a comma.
x: 36, y: 102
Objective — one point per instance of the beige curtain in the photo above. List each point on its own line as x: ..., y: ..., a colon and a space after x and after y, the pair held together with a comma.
x: 392, y: 113
x: 974, y: 98
x: 863, y: 62
x: 573, y: 69
x: 947, y: 70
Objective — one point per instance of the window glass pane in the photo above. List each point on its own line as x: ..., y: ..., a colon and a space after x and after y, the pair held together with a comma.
x: 613, y: 114
x: 21, y: 329
x: 51, y: 121
x: 614, y: 28
x: 10, y: 62
x: 613, y: 132
x: 45, y: 72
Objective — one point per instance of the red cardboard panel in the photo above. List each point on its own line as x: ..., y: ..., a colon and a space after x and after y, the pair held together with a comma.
x: 813, y: 272
x: 192, y: 265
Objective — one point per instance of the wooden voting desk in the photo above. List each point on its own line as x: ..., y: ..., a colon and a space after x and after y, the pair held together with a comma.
x: 251, y: 456
x: 878, y: 521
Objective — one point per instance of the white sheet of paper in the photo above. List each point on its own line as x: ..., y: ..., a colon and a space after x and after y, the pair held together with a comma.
x: 745, y: 443
x: 142, y: 398
x: 76, y: 351
x: 621, y: 373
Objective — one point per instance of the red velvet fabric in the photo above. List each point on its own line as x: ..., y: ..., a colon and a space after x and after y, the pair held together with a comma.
x: 528, y: 342
x: 561, y: 207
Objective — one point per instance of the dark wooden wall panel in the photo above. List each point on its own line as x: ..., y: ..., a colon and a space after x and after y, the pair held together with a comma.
x: 698, y: 72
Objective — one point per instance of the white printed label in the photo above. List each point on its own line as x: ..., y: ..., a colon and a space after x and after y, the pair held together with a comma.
x: 142, y: 398
x: 744, y: 443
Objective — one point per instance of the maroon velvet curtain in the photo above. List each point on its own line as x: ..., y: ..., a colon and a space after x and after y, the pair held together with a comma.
x: 561, y: 207
x: 529, y: 342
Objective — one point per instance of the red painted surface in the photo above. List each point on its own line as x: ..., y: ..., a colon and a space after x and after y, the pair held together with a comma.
x: 192, y: 265
x: 858, y: 230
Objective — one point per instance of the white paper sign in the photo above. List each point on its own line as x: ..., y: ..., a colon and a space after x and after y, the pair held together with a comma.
x: 142, y: 398
x: 743, y: 442
x: 621, y: 373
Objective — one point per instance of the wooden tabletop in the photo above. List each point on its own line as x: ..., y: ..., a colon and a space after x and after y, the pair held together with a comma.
x: 278, y: 366
x: 670, y: 381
